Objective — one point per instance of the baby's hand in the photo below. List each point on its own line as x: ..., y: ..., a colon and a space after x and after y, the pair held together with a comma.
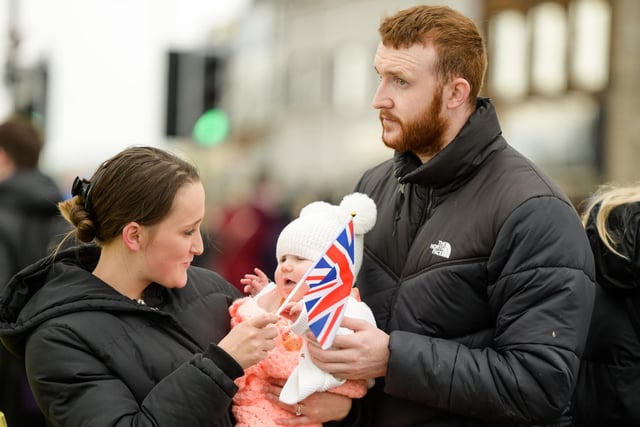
x: 291, y: 311
x: 254, y: 283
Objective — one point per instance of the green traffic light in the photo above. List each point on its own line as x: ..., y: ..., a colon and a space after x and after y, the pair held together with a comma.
x: 211, y: 128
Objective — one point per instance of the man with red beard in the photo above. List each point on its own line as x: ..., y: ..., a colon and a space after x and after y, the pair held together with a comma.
x: 478, y: 270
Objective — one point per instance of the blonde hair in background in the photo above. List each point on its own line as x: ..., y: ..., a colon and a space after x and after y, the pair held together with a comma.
x: 609, y: 197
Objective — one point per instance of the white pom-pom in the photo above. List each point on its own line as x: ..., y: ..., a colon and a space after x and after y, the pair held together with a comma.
x: 363, y: 210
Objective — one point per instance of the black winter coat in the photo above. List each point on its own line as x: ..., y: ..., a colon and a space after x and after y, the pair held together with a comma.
x: 608, y: 389
x: 96, y: 358
x: 479, y: 269
x: 30, y: 227
x: 30, y: 224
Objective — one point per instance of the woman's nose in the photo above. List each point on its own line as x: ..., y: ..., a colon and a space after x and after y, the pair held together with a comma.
x: 198, y: 246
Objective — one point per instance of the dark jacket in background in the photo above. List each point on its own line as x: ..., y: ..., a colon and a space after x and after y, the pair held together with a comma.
x: 608, y: 388
x: 30, y: 226
x: 96, y: 358
x: 30, y: 223
x: 479, y: 269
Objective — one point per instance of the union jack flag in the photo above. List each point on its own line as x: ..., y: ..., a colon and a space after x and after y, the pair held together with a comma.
x: 330, y: 281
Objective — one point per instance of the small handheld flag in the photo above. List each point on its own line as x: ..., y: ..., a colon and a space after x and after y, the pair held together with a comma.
x: 330, y: 281
x: 325, y: 288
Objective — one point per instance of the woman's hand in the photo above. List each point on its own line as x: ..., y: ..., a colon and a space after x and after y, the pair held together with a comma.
x: 320, y: 407
x: 250, y: 341
x: 254, y: 283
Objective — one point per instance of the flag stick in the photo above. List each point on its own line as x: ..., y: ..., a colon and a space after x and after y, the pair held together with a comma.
x: 297, y: 287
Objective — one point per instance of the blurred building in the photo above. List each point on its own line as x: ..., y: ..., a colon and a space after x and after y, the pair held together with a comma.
x: 300, y: 81
x: 296, y: 79
x: 562, y: 74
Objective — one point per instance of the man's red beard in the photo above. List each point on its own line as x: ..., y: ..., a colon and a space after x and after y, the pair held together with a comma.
x: 423, y: 136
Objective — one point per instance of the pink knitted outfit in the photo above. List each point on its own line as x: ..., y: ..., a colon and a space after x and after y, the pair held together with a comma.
x: 250, y: 406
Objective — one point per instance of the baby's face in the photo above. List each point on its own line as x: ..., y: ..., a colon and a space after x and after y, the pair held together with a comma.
x: 289, y: 271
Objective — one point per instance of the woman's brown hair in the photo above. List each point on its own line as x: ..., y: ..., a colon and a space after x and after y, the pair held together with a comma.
x: 138, y: 184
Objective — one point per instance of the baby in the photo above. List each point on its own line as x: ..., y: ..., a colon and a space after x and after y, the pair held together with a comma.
x: 301, y: 243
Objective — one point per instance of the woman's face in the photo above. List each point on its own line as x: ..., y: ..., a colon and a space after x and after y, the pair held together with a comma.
x: 173, y: 242
x: 288, y: 273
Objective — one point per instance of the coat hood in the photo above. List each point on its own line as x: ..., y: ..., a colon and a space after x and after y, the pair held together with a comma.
x: 618, y: 274
x: 52, y: 288
x: 30, y: 191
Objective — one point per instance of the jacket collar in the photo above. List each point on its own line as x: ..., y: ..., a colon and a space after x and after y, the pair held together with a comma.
x: 477, y: 140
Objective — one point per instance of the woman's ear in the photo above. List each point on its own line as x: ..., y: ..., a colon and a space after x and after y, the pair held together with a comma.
x: 132, y: 236
x: 458, y: 92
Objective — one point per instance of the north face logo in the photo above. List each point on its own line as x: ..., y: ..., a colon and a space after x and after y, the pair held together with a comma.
x: 442, y: 249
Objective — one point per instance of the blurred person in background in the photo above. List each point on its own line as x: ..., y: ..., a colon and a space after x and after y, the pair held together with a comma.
x: 478, y: 269
x: 608, y: 388
x: 243, y: 234
x: 30, y: 227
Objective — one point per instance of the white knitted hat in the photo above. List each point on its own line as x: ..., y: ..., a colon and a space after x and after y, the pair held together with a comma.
x: 319, y: 223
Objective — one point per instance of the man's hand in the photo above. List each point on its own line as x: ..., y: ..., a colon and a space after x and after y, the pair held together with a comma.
x: 361, y: 355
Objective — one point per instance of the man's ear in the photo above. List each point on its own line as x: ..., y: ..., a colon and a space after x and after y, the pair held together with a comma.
x: 132, y: 236
x: 457, y: 92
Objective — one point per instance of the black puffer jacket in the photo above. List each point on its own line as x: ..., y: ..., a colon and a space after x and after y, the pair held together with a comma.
x: 608, y: 389
x: 480, y: 271
x: 96, y: 358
